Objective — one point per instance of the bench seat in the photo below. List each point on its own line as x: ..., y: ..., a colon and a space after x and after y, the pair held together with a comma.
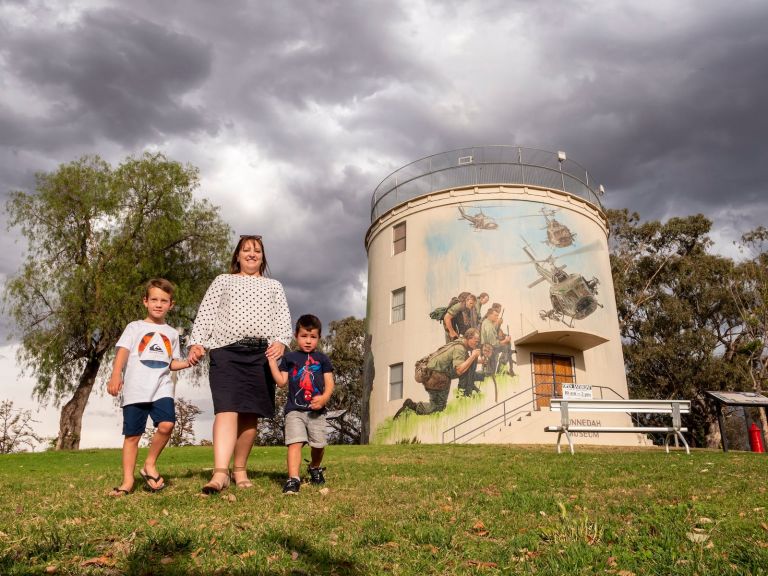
x: 567, y: 406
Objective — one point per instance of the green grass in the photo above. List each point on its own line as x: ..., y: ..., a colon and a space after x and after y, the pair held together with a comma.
x: 403, y: 509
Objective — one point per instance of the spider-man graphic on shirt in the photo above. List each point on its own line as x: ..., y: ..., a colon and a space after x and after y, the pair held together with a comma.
x: 306, y: 377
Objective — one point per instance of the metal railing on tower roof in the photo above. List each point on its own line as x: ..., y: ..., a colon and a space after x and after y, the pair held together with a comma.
x: 481, y: 166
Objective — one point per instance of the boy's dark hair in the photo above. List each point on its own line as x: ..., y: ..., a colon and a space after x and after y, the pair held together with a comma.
x: 309, y: 322
x: 164, y: 285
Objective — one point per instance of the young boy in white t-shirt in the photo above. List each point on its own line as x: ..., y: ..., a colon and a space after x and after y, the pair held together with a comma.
x: 147, y: 351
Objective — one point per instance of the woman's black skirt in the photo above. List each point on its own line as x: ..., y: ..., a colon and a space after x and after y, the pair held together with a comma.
x: 241, y: 380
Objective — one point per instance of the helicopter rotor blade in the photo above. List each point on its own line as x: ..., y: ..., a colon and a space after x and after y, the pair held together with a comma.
x: 591, y: 247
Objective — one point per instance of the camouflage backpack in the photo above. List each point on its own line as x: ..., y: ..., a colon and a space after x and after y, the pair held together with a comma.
x: 439, y: 313
x: 421, y: 372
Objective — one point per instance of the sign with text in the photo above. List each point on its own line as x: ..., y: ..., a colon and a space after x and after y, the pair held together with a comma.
x: 577, y: 391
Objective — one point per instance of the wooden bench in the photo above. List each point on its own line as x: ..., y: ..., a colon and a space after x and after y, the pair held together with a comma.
x: 568, y: 407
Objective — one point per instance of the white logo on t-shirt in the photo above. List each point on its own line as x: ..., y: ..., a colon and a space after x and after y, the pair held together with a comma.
x: 155, y: 350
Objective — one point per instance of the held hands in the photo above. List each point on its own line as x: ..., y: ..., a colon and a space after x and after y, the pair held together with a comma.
x: 196, y: 352
x: 275, y: 350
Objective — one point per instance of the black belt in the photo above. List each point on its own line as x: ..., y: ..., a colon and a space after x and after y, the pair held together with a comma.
x: 253, y: 342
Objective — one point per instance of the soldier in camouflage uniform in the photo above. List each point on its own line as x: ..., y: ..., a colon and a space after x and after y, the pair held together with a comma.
x: 443, y: 367
x: 460, y: 316
x: 491, y: 335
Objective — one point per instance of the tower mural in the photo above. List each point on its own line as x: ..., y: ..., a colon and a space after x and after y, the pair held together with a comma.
x: 489, y: 292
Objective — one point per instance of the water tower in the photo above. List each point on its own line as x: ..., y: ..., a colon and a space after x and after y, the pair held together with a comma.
x: 510, y: 242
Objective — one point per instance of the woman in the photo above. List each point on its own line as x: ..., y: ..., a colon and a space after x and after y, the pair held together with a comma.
x: 242, y: 321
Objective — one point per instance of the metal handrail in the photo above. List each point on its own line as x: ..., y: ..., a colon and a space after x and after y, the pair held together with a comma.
x: 483, y: 165
x: 506, y: 415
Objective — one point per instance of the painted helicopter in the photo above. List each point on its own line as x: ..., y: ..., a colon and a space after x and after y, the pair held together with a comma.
x: 558, y: 234
x: 478, y: 221
x: 573, y: 297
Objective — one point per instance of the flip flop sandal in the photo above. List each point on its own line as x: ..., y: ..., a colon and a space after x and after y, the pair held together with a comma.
x: 118, y: 492
x: 154, y: 479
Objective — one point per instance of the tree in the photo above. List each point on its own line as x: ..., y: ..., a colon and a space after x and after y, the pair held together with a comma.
x: 344, y: 345
x: 16, y: 429
x: 184, y: 429
x: 749, y: 290
x: 680, y: 324
x: 95, y: 236
x: 271, y: 430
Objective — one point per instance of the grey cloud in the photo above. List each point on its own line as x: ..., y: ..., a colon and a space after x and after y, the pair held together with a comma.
x: 112, y: 75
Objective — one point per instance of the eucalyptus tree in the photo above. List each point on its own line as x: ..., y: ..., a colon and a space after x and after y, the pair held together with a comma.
x: 95, y: 235
x: 344, y: 345
x: 749, y: 290
x: 677, y: 314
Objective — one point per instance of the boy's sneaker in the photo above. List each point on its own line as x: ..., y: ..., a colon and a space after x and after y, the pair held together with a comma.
x: 316, y: 475
x: 292, y: 486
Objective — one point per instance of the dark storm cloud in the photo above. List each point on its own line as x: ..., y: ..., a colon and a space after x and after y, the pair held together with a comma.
x: 321, y: 254
x: 297, y: 60
x: 110, y: 75
x: 669, y: 114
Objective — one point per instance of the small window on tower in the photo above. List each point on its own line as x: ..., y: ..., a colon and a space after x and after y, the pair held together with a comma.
x: 398, y: 238
x: 396, y: 382
x: 398, y: 305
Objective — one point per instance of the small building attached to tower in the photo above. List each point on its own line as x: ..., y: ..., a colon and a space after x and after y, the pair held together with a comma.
x: 505, y: 248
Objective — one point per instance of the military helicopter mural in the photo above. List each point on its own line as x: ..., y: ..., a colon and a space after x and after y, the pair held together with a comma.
x: 478, y: 221
x: 573, y: 297
x: 558, y: 234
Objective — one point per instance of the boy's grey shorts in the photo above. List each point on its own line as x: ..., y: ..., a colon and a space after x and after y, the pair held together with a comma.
x: 305, y: 427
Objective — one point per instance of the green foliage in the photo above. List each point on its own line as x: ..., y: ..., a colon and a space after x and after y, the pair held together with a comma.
x: 685, y: 314
x: 16, y: 432
x: 396, y: 509
x: 183, y: 430
x: 344, y: 344
x: 95, y: 235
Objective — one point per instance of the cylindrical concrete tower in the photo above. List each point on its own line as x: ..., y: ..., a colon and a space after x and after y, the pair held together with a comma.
x: 491, y: 264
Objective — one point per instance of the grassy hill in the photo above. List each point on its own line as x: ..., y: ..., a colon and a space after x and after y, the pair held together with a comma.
x: 404, y: 509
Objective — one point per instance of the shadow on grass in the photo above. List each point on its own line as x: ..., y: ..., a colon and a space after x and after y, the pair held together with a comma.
x: 172, y: 552
x: 253, y: 475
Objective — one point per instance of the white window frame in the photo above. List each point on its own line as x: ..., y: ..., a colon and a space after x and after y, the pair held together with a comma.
x: 398, y: 307
x: 395, y: 389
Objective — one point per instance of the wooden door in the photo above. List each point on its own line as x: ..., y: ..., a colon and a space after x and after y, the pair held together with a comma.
x: 550, y: 372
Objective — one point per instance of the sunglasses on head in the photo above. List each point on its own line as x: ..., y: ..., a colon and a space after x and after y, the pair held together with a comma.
x: 250, y: 237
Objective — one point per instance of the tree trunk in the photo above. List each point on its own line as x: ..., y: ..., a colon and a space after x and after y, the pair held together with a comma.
x: 71, y: 421
x: 369, y: 373
x: 713, y: 437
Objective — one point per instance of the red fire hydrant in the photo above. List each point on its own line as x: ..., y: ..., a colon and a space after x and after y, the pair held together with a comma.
x: 755, y: 438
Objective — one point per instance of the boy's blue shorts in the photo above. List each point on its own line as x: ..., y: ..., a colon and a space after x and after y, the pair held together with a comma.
x: 135, y: 415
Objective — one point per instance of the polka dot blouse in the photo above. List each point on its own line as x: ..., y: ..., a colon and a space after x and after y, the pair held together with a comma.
x: 236, y: 307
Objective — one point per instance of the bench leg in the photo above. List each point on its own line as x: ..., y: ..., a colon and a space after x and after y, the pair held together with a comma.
x: 680, y: 435
x: 677, y: 434
x: 567, y: 437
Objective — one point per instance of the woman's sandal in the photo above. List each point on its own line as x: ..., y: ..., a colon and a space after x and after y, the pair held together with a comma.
x: 214, y: 486
x: 243, y: 483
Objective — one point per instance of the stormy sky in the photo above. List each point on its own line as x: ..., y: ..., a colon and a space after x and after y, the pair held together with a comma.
x: 295, y: 110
